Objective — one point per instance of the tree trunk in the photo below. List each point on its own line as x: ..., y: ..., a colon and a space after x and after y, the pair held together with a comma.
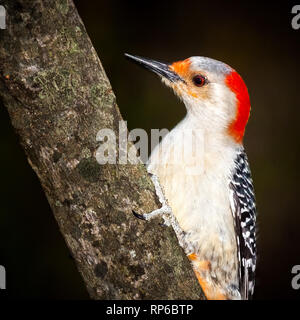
x: 58, y: 97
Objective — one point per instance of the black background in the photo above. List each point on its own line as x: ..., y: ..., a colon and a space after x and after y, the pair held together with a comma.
x: 258, y: 41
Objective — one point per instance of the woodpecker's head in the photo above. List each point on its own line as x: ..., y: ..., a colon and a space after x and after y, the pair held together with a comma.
x: 212, y: 91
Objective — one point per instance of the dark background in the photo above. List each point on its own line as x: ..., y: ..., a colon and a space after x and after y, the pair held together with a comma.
x: 254, y: 38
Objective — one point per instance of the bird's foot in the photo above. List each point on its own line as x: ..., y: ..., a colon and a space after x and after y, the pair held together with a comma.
x: 165, y: 211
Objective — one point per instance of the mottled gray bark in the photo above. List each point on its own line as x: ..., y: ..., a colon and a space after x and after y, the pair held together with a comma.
x: 58, y: 97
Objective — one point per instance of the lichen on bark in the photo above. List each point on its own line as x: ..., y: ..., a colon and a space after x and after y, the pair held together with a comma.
x: 58, y: 97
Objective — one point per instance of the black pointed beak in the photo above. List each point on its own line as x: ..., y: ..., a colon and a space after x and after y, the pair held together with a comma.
x: 162, y: 69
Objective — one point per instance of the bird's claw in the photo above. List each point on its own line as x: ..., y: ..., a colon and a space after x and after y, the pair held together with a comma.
x: 139, y: 216
x: 165, y: 212
x: 143, y: 217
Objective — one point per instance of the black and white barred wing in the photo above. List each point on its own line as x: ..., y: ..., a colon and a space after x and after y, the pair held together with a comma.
x: 244, y: 213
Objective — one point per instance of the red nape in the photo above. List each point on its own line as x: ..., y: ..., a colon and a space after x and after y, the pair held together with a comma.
x: 237, y: 128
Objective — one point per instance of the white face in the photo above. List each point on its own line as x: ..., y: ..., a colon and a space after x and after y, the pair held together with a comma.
x: 213, y: 93
x: 204, y: 91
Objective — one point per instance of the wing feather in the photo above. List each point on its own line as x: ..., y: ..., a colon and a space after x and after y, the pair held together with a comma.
x: 243, y: 207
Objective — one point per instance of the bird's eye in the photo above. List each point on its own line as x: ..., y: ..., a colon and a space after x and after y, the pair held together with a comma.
x: 199, y: 80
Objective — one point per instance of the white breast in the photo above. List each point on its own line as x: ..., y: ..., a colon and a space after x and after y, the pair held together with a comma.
x: 194, y: 177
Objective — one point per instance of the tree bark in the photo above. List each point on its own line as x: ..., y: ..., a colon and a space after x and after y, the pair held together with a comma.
x: 58, y: 97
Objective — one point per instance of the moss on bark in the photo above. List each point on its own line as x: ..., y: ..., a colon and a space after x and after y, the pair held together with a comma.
x: 58, y: 97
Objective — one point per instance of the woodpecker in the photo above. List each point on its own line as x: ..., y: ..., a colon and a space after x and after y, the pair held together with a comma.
x: 212, y: 195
